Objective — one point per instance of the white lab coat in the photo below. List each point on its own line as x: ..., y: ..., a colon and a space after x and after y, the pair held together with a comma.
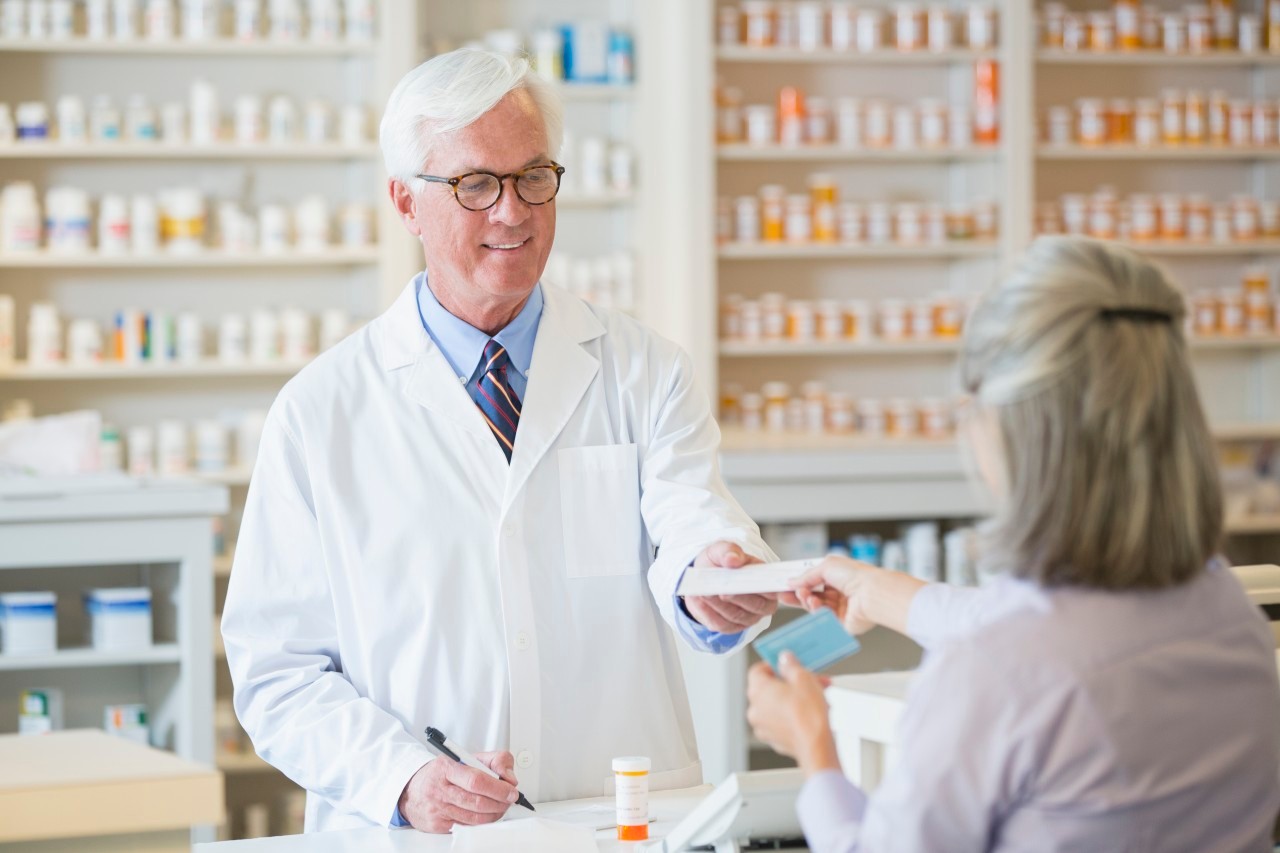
x: 394, y: 572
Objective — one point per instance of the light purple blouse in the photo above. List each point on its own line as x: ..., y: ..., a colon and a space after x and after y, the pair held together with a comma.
x: 1069, y: 719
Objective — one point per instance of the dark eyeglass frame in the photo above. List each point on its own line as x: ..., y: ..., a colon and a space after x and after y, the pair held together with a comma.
x: 502, y: 183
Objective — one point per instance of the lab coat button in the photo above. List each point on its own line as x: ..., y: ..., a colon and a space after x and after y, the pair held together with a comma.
x: 525, y: 758
x: 522, y: 641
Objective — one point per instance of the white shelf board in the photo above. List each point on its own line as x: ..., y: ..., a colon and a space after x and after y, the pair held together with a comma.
x: 182, y: 47
x: 208, y: 259
x: 740, y: 151
x: 1258, y: 525
x: 744, y: 53
x: 1225, y: 153
x: 817, y: 251
x: 745, y: 349
x: 1247, y: 432
x: 245, y: 762
x: 596, y: 91
x: 229, y: 477
x: 1155, y: 57
x: 1244, y: 342
x: 737, y: 440
x: 1183, y: 248
x: 108, y: 370
x: 608, y: 198
x: 87, y: 658
x: 129, y: 150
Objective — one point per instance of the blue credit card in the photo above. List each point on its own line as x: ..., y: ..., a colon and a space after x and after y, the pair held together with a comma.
x: 817, y: 640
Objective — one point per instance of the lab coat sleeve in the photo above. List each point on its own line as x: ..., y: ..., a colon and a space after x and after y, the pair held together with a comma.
x: 302, y: 714
x: 683, y: 499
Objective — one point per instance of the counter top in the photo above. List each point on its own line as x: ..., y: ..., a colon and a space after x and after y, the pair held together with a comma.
x: 668, y: 807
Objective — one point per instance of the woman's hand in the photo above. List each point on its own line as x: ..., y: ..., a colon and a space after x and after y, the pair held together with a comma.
x: 861, y: 595
x: 789, y: 713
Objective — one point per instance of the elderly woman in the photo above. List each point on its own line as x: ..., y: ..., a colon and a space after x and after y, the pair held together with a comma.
x: 1114, y: 689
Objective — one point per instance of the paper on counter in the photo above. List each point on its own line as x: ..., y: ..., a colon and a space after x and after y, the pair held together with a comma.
x: 768, y: 577
x: 532, y: 835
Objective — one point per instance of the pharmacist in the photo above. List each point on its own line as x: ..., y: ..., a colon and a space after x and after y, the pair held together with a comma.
x: 473, y: 513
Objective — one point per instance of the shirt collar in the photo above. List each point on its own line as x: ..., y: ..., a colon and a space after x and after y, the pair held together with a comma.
x: 463, y: 344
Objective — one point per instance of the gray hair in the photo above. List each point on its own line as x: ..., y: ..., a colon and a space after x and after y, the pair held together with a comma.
x: 1109, y: 467
x: 449, y: 92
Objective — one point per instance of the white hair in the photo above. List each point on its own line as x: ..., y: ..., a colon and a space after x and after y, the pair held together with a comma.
x: 451, y: 91
x: 1110, y: 470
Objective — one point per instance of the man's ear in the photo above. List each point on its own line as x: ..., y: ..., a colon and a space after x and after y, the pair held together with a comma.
x: 406, y: 205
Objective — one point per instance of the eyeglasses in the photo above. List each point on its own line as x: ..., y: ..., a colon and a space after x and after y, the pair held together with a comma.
x: 481, y: 190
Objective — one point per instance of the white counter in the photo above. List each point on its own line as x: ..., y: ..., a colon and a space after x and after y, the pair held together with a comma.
x: 668, y: 807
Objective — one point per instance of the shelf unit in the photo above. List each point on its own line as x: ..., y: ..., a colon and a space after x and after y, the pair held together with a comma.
x: 362, y: 280
x: 68, y: 534
x: 1225, y: 153
x: 821, y: 251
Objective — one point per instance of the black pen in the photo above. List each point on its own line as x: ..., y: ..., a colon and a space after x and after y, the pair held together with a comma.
x: 441, y: 743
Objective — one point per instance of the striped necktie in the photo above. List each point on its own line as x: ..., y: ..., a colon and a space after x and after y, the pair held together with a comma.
x: 497, y: 401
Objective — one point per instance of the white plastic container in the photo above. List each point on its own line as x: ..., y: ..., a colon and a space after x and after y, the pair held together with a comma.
x: 119, y: 618
x: 354, y: 125
x: 97, y: 19
x: 19, y: 218
x: 113, y: 225
x: 285, y: 17
x: 104, y: 120
x: 356, y: 225
x: 631, y: 794
x: 324, y: 21
x: 273, y: 228
x: 72, y: 123
x: 317, y: 122
x: 282, y: 120
x: 248, y: 20
x: 359, y: 23
x: 84, y: 342
x: 8, y: 329
x: 335, y: 325
x: 171, y: 448
x: 67, y: 220
x: 44, y: 335
x: 297, y: 342
x: 190, y: 338
x: 264, y: 336
x: 32, y: 120
x: 144, y: 220
x: 158, y: 20
x: 233, y: 338
x: 28, y: 623
x: 204, y: 113
x: 249, y: 127
x: 311, y: 222
x: 140, y: 447
x: 211, y: 447
x: 199, y: 20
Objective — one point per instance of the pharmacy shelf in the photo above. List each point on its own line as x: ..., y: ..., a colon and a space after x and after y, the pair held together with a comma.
x: 1155, y: 57
x: 1183, y: 248
x: 88, y: 658
x: 742, y: 152
x: 608, y: 198
x: 1224, y: 153
x: 54, y: 150
x: 204, y: 369
x: 244, y: 762
x: 208, y: 259
x: 597, y: 91
x: 793, y: 56
x: 180, y: 47
x: 819, y: 251
x: 222, y: 562
x: 1253, y: 525
x: 744, y: 349
x: 737, y: 440
x: 1247, y: 432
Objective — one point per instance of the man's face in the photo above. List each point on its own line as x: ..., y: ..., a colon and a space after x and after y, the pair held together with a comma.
x: 484, y: 257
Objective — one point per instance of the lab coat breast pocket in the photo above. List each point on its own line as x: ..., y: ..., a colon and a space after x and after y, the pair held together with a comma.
x: 600, y: 510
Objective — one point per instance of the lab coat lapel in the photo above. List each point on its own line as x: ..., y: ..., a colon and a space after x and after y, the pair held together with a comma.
x: 559, y: 375
x: 431, y: 383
